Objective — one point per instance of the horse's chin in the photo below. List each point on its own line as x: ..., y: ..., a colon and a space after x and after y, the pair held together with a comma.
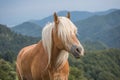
x: 77, y: 57
x: 76, y: 51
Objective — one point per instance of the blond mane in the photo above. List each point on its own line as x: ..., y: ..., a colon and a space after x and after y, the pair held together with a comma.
x: 47, y: 39
x: 65, y: 29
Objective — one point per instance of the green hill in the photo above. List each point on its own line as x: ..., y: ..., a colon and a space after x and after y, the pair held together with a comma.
x: 91, y: 45
x: 98, y: 65
x: 111, y: 37
x: 94, y: 26
x: 28, y: 28
x: 11, y: 43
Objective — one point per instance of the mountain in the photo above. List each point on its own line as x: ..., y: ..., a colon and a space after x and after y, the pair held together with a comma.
x: 111, y: 37
x: 91, y: 26
x: 75, y: 16
x: 10, y: 42
x: 91, y: 45
x: 34, y: 27
x: 95, y: 26
x: 28, y: 28
x: 105, y: 12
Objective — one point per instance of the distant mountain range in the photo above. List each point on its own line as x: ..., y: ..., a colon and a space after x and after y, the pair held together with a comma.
x: 95, y: 26
x: 75, y: 16
x: 100, y: 28
x: 34, y: 27
x: 28, y: 28
x: 10, y: 41
x: 111, y: 37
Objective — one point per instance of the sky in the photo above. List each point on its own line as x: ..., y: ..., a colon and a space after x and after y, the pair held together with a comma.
x: 13, y: 12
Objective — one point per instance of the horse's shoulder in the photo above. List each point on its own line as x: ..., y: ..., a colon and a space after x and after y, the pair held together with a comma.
x: 29, y: 47
x: 26, y: 50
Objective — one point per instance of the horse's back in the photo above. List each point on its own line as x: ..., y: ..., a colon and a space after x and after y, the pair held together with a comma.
x: 31, y: 61
x: 21, y: 62
x: 25, y: 50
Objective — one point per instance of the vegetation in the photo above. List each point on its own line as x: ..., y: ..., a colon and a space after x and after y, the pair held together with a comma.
x: 7, y: 71
x: 28, y: 28
x: 11, y: 43
x: 99, y: 63
x: 105, y: 28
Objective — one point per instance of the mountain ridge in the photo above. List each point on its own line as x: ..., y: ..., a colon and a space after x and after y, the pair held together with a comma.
x: 28, y: 28
x: 97, y: 25
x: 11, y: 41
x: 75, y: 16
x: 94, y: 26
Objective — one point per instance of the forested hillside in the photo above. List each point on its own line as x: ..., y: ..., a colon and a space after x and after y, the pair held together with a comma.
x: 101, y: 28
x: 28, y: 28
x: 7, y: 70
x: 11, y: 43
x: 99, y: 62
x: 96, y: 65
x: 111, y: 37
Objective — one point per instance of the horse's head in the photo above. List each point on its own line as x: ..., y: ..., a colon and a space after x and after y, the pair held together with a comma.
x: 64, y: 36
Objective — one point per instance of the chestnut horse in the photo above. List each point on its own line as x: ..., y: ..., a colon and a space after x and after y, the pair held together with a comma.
x: 48, y: 59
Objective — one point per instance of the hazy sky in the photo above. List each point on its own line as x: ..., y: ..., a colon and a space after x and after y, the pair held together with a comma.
x: 14, y: 12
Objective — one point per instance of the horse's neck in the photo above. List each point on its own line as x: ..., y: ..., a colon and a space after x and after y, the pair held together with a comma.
x: 61, y: 59
x: 58, y: 58
x: 54, y: 55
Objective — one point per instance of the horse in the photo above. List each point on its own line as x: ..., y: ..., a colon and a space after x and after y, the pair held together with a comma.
x: 48, y: 58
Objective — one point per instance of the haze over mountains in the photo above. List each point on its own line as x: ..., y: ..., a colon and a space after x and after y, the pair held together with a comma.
x: 95, y: 26
x: 75, y: 16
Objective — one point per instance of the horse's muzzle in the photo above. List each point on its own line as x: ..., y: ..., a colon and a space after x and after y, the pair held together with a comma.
x: 76, y: 51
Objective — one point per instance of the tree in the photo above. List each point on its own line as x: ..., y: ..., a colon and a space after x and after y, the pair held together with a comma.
x: 6, y: 71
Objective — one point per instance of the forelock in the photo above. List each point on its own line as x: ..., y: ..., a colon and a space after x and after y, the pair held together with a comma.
x: 66, y: 28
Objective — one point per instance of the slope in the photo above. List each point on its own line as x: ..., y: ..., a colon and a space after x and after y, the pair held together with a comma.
x: 94, y: 26
x: 12, y: 42
x: 75, y: 16
x: 28, y: 28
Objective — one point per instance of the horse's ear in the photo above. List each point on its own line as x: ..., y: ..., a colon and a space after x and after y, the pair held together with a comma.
x: 56, y: 19
x: 68, y: 15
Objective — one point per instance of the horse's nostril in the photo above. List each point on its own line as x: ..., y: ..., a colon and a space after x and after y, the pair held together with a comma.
x: 77, y: 50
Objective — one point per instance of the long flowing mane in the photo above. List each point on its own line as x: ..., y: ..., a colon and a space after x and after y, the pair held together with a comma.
x: 47, y: 39
x: 65, y: 29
